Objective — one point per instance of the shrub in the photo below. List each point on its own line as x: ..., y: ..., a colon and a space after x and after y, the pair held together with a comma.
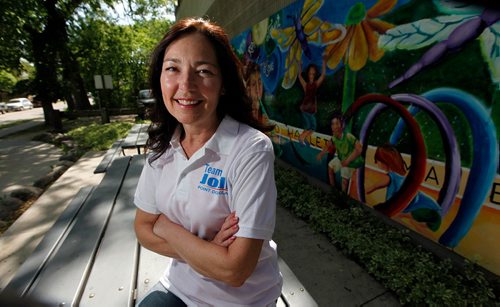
x: 415, y: 275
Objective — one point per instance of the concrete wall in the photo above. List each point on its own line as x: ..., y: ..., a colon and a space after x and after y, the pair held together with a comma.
x: 235, y: 16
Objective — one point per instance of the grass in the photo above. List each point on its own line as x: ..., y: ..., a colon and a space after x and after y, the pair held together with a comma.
x: 97, y: 136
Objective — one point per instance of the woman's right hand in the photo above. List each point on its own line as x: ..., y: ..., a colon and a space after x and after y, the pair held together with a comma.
x: 229, y: 228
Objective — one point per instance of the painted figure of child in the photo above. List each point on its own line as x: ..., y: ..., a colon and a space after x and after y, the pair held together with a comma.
x: 348, y: 149
x: 422, y: 208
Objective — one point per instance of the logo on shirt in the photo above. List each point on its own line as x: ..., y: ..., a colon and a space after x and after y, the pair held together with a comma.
x: 212, y: 181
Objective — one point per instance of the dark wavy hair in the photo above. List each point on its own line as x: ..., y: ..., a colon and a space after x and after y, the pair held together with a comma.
x: 234, y: 102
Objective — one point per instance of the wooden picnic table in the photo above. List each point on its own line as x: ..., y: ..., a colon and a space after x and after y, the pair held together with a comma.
x: 91, y: 257
x: 136, y: 138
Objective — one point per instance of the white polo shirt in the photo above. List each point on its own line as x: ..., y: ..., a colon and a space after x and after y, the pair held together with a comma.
x: 233, y: 171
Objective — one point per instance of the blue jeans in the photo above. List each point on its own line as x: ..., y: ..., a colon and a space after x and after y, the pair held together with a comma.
x: 158, y: 296
x: 309, y: 121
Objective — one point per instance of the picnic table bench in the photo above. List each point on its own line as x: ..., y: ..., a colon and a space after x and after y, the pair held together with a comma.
x: 91, y: 257
x: 136, y: 138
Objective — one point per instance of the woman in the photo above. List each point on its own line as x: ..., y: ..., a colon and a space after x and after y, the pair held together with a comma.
x: 309, y: 105
x: 207, y: 195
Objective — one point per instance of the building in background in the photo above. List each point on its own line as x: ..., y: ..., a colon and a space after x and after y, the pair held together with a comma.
x: 234, y: 16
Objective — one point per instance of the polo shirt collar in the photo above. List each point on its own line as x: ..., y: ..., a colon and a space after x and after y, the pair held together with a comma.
x: 222, y: 140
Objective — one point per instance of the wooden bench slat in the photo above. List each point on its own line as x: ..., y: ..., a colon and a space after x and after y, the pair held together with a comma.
x: 112, y: 279
x: 131, y: 138
x: 281, y: 302
x: 108, y: 158
x: 150, y: 269
x: 293, y: 292
x: 29, y: 270
x: 63, y: 277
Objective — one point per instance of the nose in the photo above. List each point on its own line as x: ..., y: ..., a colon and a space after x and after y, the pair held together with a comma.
x: 187, y: 80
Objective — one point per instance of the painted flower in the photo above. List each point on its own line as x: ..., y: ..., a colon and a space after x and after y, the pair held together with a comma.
x: 363, y: 29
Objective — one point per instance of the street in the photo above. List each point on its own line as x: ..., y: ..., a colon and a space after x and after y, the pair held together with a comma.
x: 35, y: 113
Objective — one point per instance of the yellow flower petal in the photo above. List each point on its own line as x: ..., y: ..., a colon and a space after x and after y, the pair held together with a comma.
x: 357, y: 53
x: 336, y: 52
x: 379, y: 26
x: 374, y: 52
x: 380, y: 8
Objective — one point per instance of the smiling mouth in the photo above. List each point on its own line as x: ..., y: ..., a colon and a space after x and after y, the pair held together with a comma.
x: 187, y: 102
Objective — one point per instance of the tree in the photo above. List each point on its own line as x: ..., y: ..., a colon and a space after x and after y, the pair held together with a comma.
x: 39, y: 31
x: 118, y: 50
x: 7, y: 83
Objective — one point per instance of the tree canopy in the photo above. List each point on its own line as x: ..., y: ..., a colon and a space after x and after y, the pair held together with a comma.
x: 69, y: 41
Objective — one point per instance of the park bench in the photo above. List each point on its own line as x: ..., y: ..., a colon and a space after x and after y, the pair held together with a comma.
x: 90, y: 257
x: 136, y: 138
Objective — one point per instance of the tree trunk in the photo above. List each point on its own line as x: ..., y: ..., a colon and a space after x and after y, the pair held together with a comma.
x: 46, y: 85
x: 75, y: 93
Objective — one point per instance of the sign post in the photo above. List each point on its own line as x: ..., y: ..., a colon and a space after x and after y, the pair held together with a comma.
x: 103, y: 82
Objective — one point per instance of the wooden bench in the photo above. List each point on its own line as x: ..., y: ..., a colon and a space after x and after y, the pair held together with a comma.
x: 136, y: 138
x: 91, y: 257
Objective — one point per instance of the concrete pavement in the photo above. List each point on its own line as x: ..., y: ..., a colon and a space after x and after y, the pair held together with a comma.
x: 330, y: 277
x: 22, y: 237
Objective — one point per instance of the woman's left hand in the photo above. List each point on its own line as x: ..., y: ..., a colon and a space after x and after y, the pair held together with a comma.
x: 225, y: 236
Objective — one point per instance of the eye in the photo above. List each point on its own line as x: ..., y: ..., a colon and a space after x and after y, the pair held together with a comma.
x: 170, y: 68
x: 205, y: 72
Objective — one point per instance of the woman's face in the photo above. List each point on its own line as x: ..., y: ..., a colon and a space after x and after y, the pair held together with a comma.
x: 311, y: 74
x: 191, y: 81
x: 255, y: 87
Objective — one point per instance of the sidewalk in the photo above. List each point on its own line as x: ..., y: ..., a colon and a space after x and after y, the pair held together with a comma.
x: 330, y: 277
x: 21, y: 127
x: 22, y: 237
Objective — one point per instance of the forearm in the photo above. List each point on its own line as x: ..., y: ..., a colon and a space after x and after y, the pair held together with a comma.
x: 147, y: 239
x: 224, y: 264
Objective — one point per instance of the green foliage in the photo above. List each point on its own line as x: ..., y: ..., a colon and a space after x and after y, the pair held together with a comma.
x: 99, y: 137
x: 415, y: 275
x: 121, y: 51
x: 7, y: 81
x: 82, y: 33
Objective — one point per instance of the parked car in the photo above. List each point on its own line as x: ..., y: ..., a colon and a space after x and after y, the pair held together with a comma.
x: 145, y: 98
x: 18, y: 104
x: 3, y: 107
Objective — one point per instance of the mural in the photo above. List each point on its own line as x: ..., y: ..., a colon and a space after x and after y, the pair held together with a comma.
x: 396, y: 103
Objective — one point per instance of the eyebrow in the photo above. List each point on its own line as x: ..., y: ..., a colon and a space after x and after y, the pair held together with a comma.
x: 176, y: 60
